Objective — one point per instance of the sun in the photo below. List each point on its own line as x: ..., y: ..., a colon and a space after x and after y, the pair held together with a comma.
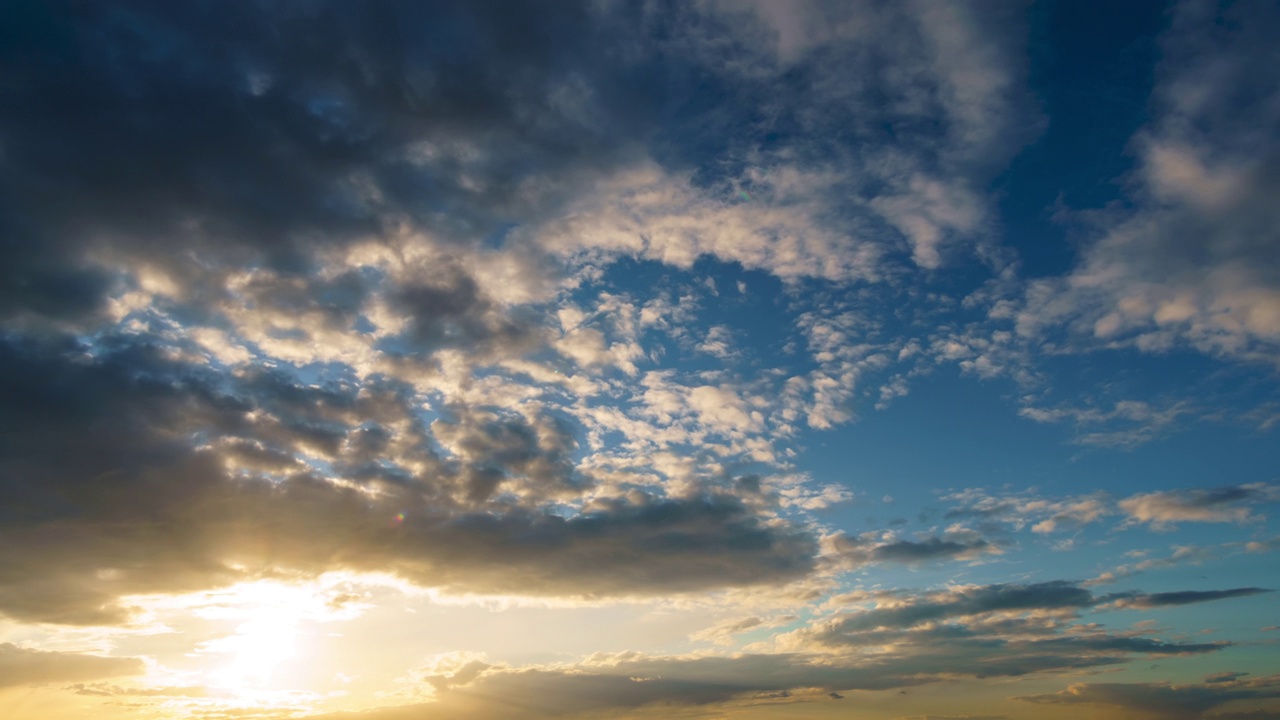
x: 265, y: 638
x: 258, y: 647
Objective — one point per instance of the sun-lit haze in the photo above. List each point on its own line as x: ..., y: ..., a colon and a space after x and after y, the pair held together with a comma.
x: 717, y: 359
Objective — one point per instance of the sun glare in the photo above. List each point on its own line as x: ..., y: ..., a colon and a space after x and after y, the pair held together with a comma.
x: 255, y: 629
x: 265, y: 638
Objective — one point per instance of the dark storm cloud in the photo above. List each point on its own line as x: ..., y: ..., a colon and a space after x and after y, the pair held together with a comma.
x: 116, y: 481
x: 22, y: 666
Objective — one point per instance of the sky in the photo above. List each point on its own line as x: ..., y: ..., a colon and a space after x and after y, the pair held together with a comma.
x: 717, y: 359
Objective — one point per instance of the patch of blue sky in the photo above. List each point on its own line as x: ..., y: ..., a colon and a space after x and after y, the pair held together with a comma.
x: 1092, y: 77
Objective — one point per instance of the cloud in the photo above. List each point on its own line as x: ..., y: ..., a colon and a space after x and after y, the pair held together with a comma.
x: 1043, y: 515
x: 91, y: 444
x: 109, y: 690
x: 629, y: 681
x: 1190, y: 554
x: 1186, y: 597
x: 1160, y: 509
x: 1163, y: 700
x: 611, y: 683
x: 1127, y: 424
x: 959, y: 602
x: 27, y: 666
x: 870, y: 548
x: 723, y: 633
x: 315, y: 277
x: 1190, y: 262
x: 1227, y: 504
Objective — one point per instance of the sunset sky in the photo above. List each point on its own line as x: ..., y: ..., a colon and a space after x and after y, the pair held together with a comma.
x: 706, y: 359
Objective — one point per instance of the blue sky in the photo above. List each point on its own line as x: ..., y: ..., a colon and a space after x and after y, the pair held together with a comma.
x: 750, y: 359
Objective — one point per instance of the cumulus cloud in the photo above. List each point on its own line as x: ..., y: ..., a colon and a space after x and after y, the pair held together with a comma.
x: 1226, y: 504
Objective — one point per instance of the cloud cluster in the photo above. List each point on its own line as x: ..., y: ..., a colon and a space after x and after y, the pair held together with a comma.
x: 319, y: 294
x: 1191, y: 261
x: 131, y: 474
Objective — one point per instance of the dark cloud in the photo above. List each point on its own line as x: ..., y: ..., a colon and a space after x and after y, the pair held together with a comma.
x: 453, y: 312
x: 1163, y: 700
x: 117, y: 480
x: 639, y: 682
x: 871, y: 548
x: 250, y: 132
x: 993, y: 630
x: 25, y: 666
x: 960, y: 603
x: 609, y: 685
x: 1187, y: 597
x: 932, y: 549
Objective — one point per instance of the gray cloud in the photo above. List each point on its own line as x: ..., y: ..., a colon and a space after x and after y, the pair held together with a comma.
x: 606, y: 684
x: 93, y: 446
x: 25, y: 666
x: 1031, y: 624
x: 1163, y: 700
x: 873, y: 548
x: 133, y: 124
x: 959, y: 603
x: 1187, y: 597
